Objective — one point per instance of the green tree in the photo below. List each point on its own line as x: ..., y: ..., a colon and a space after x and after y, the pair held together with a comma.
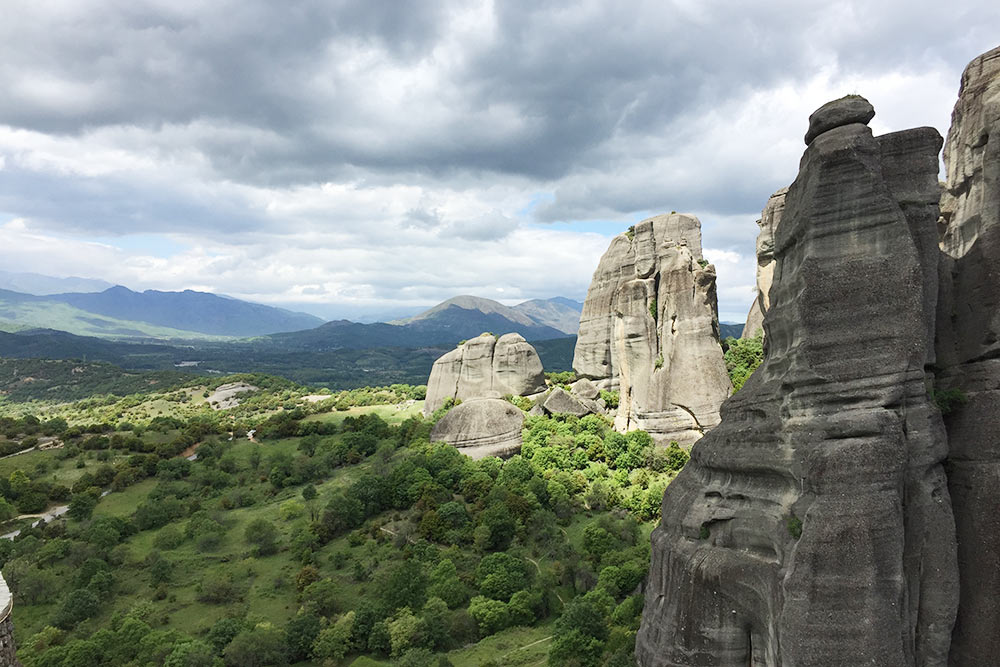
x: 262, y: 646
x: 262, y: 536
x: 500, y: 575
x: 743, y: 356
x: 79, y: 605
x: 435, y: 623
x: 334, y: 641
x: 402, y: 585
x: 7, y: 511
x: 82, y: 654
x: 323, y: 594
x: 301, y: 632
x: 192, y: 653
x: 491, y: 616
x: 309, y: 494
x: 445, y: 584
x: 579, y: 634
x: 404, y: 631
x: 525, y: 607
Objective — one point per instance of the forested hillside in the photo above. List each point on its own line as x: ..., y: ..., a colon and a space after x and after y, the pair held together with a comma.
x: 337, y: 535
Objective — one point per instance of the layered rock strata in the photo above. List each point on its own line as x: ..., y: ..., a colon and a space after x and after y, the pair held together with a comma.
x: 481, y: 427
x: 969, y: 352
x: 483, y: 367
x: 770, y: 218
x: 650, y: 322
x: 813, y: 527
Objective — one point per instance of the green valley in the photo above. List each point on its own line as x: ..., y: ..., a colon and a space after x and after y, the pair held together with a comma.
x: 337, y: 535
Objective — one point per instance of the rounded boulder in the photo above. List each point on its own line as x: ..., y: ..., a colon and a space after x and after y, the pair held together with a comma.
x: 482, y: 427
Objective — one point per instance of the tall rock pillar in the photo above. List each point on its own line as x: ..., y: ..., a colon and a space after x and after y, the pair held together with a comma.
x: 770, y: 218
x: 813, y: 526
x: 969, y: 353
x: 650, y: 323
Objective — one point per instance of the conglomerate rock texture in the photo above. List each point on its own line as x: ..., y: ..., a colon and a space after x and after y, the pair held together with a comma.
x: 813, y: 526
x: 485, y: 366
x: 650, y: 321
x: 770, y: 218
x: 969, y: 353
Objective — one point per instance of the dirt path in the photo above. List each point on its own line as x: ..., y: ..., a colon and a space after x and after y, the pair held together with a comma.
x: 534, y: 643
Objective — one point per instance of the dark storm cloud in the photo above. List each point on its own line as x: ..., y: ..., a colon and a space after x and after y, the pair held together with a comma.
x: 575, y: 82
x: 438, y: 131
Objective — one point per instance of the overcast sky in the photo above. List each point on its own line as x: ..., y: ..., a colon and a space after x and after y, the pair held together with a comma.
x: 354, y: 158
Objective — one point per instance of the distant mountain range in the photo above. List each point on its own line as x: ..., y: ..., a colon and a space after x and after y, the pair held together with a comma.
x: 727, y: 329
x: 189, y: 310
x: 559, y: 312
x: 456, y: 319
x: 39, y: 285
x: 471, y: 315
x: 339, y: 353
x: 118, y: 312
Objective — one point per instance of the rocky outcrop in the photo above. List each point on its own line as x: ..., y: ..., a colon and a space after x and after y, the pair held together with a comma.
x: 813, y: 526
x: 485, y: 366
x: 969, y: 352
x: 770, y: 217
x: 8, y: 648
x: 481, y: 427
x: 560, y: 401
x: 650, y: 321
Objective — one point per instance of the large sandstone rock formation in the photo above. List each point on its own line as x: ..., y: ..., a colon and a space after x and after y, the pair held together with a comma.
x: 650, y: 321
x: 813, y: 527
x: 482, y: 427
x: 485, y: 366
x: 969, y: 352
x: 770, y: 218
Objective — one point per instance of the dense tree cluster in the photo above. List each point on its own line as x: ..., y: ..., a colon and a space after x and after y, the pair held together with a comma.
x: 743, y: 356
x: 397, y: 547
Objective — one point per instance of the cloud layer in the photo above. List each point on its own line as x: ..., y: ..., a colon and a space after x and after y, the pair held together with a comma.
x: 356, y: 155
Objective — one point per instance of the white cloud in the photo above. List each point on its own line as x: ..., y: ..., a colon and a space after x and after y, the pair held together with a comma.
x: 361, y: 155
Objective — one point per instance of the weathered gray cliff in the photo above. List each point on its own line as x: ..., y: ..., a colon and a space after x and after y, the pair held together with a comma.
x: 770, y: 218
x: 485, y: 366
x: 969, y: 353
x: 650, y: 321
x: 813, y: 527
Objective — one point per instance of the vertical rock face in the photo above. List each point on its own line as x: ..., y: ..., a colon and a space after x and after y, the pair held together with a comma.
x: 770, y: 218
x: 969, y: 352
x: 485, y: 366
x: 650, y: 319
x: 813, y: 526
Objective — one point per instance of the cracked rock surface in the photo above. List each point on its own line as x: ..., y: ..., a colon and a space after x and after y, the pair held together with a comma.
x: 813, y: 526
x: 968, y: 352
x: 485, y: 367
x: 650, y: 322
x: 770, y: 218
